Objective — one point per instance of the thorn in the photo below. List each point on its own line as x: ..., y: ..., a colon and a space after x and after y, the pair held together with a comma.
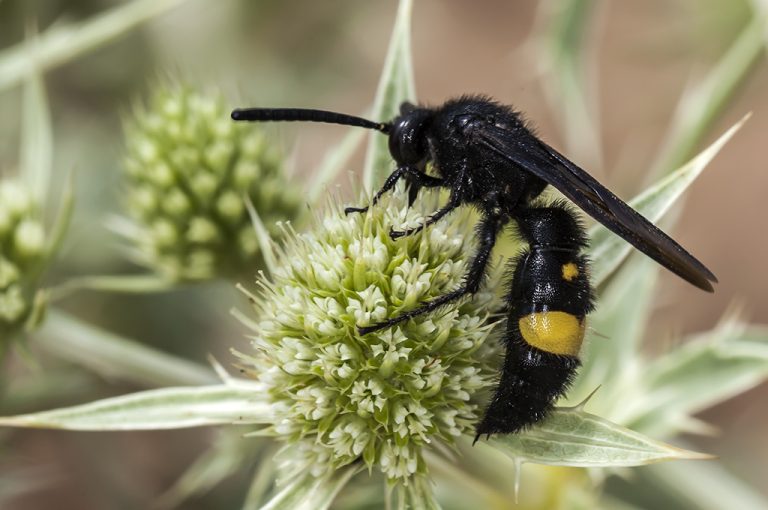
x: 518, y: 473
x: 580, y: 405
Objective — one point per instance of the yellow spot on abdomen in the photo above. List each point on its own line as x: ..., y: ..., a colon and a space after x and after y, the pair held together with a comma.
x: 554, y: 332
x: 570, y: 271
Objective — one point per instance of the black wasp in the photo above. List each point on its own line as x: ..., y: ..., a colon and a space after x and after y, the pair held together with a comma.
x: 487, y: 157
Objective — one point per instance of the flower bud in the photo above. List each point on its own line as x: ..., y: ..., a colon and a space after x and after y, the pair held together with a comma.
x: 188, y: 171
x: 22, y: 254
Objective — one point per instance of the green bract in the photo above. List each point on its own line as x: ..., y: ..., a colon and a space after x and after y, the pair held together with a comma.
x: 22, y: 253
x: 340, y: 397
x: 189, y: 170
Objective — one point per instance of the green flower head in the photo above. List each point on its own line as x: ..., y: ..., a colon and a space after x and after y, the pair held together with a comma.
x: 22, y: 253
x: 340, y: 397
x: 188, y: 170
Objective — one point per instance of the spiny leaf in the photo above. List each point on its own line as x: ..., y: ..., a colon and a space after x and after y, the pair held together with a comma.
x: 63, y: 43
x: 708, y: 95
x: 418, y: 494
x: 572, y: 437
x: 166, y: 408
x: 63, y: 216
x: 263, y: 480
x: 608, y: 250
x: 710, y: 369
x: 37, y: 141
x: 306, y: 492
x: 463, y: 485
x: 700, y: 486
x: 565, y: 60
x: 333, y: 164
x: 617, y: 327
x: 126, y: 284
x: 395, y: 86
x: 227, y: 456
x: 262, y: 235
x: 113, y: 356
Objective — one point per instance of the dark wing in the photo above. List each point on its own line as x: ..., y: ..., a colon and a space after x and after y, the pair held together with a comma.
x: 534, y: 156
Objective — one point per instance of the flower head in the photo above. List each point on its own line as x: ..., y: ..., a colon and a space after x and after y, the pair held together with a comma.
x: 22, y: 253
x: 381, y: 398
x: 188, y: 169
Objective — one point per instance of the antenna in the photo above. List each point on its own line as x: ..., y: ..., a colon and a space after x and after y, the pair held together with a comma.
x: 302, y: 114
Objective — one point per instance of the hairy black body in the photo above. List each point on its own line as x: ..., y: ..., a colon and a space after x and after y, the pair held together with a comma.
x: 548, y: 298
x: 487, y: 157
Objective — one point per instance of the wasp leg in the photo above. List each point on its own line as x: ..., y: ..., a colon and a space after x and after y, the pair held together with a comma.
x: 457, y: 198
x: 416, y: 179
x: 488, y: 231
x: 452, y: 204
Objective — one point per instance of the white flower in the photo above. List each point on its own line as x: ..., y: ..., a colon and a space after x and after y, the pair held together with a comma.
x: 380, y: 398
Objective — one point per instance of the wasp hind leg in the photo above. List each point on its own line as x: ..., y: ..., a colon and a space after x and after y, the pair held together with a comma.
x: 487, y: 232
x: 548, y: 299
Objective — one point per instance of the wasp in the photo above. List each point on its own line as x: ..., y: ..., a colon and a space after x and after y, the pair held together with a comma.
x: 487, y: 156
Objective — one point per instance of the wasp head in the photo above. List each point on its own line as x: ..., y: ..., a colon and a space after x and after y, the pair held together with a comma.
x: 407, y: 138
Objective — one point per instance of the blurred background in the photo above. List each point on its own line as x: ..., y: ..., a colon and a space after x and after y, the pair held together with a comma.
x: 640, y: 57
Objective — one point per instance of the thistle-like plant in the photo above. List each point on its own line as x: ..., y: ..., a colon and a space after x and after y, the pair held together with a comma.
x: 189, y: 173
x: 399, y: 407
x: 338, y: 397
x: 22, y: 255
x: 355, y: 417
x: 27, y: 243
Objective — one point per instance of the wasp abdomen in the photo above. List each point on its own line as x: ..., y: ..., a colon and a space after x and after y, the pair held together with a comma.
x: 549, y: 298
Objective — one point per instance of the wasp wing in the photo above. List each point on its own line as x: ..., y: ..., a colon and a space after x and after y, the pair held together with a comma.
x: 532, y: 155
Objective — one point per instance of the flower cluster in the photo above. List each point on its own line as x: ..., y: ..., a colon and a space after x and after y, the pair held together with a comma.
x: 340, y: 397
x: 22, y: 253
x: 189, y: 169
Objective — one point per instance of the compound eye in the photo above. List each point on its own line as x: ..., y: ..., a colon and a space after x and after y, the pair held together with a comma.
x: 407, y: 142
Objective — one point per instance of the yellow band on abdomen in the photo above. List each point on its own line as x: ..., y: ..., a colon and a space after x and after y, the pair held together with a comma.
x: 554, y: 332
